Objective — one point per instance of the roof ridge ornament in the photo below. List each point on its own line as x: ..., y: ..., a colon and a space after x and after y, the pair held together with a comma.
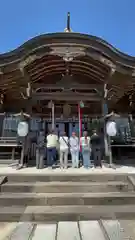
x: 68, y: 53
x: 68, y: 28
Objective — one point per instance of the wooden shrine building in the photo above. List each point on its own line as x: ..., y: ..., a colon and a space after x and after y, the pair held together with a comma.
x: 65, y: 68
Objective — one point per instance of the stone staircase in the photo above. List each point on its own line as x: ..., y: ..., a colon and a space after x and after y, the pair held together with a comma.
x: 66, y: 197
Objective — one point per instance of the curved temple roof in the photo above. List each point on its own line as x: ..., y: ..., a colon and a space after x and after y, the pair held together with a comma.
x: 41, y: 60
x: 83, y: 39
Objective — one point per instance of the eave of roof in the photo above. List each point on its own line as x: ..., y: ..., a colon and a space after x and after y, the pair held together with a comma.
x: 84, y: 39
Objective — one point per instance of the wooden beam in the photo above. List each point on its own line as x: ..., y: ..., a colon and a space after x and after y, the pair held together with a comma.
x: 72, y: 86
x: 66, y: 96
x: 80, y: 72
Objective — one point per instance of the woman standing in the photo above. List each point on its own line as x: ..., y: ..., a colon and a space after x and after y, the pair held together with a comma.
x: 85, y: 144
x: 74, y: 149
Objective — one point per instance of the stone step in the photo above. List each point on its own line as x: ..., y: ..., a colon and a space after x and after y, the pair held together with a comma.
x: 113, y: 230
x: 79, y: 230
x: 67, y: 177
x: 66, y: 213
x: 64, y: 187
x: 128, y: 227
x: 23, y: 230
x: 46, y: 199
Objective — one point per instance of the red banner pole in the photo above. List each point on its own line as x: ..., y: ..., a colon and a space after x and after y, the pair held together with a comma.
x: 80, y: 123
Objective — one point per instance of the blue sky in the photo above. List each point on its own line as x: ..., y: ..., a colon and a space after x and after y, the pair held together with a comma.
x: 112, y: 20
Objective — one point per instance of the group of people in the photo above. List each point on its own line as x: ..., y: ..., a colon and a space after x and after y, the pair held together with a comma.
x: 88, y: 148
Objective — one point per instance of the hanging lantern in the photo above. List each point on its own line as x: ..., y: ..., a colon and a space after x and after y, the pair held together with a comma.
x: 22, y: 129
x: 111, y: 129
x: 81, y: 104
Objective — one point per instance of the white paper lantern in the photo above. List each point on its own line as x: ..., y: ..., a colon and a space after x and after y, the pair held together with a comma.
x: 111, y: 129
x: 22, y: 129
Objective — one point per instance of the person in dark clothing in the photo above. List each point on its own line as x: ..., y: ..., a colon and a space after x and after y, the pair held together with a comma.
x: 25, y: 152
x: 102, y: 143
x: 96, y: 149
x: 40, y: 152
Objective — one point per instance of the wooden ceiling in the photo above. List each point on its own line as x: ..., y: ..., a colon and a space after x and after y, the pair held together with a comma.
x: 50, y: 70
x: 41, y: 69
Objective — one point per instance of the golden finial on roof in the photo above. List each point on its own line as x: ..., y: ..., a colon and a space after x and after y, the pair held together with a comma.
x: 68, y: 29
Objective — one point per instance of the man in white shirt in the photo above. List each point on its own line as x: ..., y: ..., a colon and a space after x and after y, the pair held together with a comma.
x: 52, y: 143
x: 63, y: 141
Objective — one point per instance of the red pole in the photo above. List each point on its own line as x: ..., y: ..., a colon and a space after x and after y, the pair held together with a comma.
x: 80, y: 123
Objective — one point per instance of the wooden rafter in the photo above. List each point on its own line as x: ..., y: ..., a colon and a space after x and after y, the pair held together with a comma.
x: 75, y: 66
x: 43, y: 75
x: 48, y: 64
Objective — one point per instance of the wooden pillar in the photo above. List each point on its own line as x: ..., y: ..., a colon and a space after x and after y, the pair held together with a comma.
x: 2, y: 117
x: 27, y: 94
x: 53, y: 116
x: 104, y: 113
x: 107, y: 143
x: 131, y: 124
x: 28, y: 106
x: 80, y: 123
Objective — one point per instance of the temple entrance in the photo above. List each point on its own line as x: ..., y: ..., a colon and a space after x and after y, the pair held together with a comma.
x: 61, y: 122
x: 61, y: 110
x: 70, y: 126
x: 62, y: 126
x: 65, y: 71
